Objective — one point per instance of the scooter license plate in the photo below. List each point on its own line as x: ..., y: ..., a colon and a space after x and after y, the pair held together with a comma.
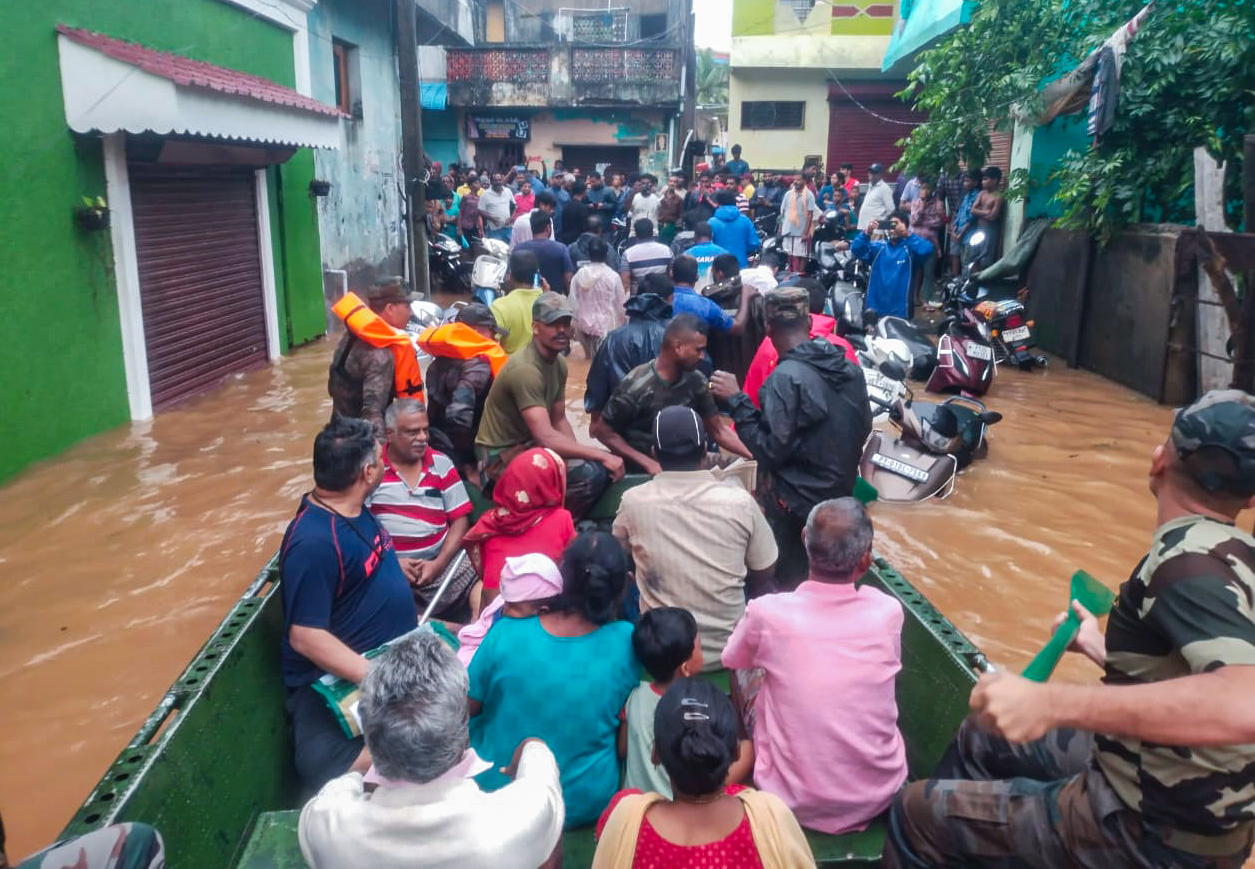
x: 900, y: 468
x: 1018, y: 334
x: 979, y: 351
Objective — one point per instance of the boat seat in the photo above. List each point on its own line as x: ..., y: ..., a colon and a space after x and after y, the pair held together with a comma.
x: 273, y: 843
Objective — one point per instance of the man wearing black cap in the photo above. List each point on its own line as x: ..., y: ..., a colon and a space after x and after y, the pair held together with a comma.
x: 878, y: 202
x: 458, y: 388
x: 360, y: 381
x: 526, y: 408
x: 1156, y: 766
x: 697, y: 542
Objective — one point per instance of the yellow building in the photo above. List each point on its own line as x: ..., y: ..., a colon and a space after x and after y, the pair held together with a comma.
x: 805, y: 81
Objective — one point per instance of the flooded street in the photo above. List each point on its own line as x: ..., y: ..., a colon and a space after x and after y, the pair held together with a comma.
x: 120, y: 556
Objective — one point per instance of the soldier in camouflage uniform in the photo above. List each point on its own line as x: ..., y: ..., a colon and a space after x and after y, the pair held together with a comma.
x: 119, y: 846
x: 1155, y: 767
x: 360, y: 382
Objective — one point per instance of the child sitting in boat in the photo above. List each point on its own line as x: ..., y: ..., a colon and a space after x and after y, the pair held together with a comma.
x: 666, y: 643
x: 706, y: 823
x: 529, y: 585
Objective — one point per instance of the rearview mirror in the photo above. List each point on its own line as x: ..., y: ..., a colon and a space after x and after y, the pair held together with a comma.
x: 893, y: 369
x: 990, y: 417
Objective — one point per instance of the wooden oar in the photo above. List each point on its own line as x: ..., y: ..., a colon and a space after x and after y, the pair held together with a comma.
x: 1092, y: 595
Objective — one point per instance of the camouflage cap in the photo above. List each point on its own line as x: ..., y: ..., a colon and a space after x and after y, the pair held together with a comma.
x: 551, y: 307
x: 1215, y: 439
x: 782, y: 298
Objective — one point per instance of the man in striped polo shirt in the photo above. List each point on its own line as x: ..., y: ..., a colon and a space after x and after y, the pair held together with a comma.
x: 422, y: 503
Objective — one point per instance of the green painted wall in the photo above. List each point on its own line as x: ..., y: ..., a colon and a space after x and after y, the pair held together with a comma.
x: 753, y: 17
x: 60, y: 341
x: 1050, y: 143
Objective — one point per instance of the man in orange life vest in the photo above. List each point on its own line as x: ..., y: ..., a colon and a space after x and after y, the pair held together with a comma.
x: 361, y: 382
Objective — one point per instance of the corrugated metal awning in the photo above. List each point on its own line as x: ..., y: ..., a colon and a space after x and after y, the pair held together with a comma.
x: 925, y: 21
x: 109, y: 85
x: 434, y: 96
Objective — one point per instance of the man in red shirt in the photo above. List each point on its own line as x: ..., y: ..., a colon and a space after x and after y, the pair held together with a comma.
x: 766, y: 357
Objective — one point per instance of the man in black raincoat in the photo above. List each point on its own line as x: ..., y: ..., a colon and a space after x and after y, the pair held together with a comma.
x: 809, y: 435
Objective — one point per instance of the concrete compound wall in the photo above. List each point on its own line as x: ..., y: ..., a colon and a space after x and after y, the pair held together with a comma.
x: 360, y: 220
x: 779, y: 149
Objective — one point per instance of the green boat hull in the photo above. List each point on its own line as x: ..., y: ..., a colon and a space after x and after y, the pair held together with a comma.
x: 212, y: 768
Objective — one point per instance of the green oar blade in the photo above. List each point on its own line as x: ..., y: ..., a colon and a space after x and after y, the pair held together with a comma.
x: 865, y: 491
x: 1092, y: 595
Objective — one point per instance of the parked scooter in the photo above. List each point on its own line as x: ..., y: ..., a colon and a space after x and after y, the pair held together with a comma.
x: 922, y: 357
x: 936, y: 441
x: 489, y: 270
x: 445, y: 263
x: 845, y: 304
x: 886, y: 383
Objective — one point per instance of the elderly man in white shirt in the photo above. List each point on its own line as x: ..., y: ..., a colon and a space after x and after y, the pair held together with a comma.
x: 878, y: 203
x: 427, y: 810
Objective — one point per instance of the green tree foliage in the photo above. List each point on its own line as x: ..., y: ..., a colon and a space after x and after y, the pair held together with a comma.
x: 712, y: 80
x: 1188, y: 80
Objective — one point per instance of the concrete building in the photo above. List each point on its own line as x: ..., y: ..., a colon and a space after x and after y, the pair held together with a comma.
x: 595, y: 87
x: 353, y: 66
x: 189, y: 128
x: 806, y: 85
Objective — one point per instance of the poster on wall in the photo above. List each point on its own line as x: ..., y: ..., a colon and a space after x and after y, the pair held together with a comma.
x: 499, y: 129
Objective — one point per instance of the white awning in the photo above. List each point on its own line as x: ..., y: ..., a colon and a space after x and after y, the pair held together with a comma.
x: 109, y: 85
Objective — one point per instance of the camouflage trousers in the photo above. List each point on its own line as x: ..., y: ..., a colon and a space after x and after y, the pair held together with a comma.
x: 1041, y: 804
x: 121, y: 846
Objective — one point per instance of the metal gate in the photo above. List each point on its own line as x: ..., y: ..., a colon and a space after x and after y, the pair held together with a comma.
x: 865, y: 121
x: 200, y: 276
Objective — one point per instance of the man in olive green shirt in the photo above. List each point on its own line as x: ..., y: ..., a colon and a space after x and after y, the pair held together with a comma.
x: 526, y: 407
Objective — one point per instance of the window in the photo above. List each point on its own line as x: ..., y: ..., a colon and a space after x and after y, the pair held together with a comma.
x: 494, y: 23
x: 653, y: 26
x: 347, y: 78
x: 765, y: 115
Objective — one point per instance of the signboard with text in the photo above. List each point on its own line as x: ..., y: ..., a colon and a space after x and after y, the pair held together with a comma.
x: 503, y: 129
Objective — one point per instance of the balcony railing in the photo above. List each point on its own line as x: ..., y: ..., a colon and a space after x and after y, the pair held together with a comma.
x: 513, y: 65
x: 645, y: 65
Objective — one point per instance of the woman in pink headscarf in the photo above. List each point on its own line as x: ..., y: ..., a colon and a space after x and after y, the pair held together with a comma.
x: 528, y: 584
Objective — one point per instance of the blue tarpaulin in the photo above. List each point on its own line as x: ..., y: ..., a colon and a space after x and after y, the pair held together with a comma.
x: 434, y: 96
x: 928, y: 19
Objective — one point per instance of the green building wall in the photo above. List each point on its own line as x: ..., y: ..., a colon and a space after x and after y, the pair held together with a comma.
x: 61, y: 347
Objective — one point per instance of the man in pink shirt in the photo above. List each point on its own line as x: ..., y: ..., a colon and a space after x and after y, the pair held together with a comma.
x: 825, y: 730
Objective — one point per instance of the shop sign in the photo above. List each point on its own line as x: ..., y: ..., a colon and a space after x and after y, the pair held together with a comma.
x: 507, y: 129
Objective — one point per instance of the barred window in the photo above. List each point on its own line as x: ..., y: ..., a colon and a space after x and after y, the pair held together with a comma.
x: 767, y: 115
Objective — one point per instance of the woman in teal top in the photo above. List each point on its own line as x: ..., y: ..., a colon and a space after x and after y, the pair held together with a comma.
x: 562, y: 676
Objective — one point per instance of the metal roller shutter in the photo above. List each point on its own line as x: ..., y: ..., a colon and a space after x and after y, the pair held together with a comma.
x: 199, y: 276
x: 999, y: 152
x: 859, y: 137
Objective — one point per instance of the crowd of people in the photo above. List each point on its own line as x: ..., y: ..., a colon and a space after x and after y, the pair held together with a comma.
x: 574, y: 675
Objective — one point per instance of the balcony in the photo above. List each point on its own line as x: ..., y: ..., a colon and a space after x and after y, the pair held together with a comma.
x: 563, y: 75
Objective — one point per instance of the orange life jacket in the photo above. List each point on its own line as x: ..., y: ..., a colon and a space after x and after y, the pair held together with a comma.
x: 375, y: 331
x: 460, y: 341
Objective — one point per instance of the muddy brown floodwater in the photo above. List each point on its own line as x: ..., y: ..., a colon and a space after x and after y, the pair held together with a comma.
x: 121, y: 555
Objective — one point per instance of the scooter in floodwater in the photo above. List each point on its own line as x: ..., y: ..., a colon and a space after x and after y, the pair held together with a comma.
x: 845, y: 304
x: 965, y: 356
x: 886, y: 383
x: 489, y: 270
x: 935, y: 442
x: 921, y: 356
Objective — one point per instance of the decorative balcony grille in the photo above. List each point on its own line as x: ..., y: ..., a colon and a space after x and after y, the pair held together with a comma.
x: 590, y: 65
x: 517, y: 66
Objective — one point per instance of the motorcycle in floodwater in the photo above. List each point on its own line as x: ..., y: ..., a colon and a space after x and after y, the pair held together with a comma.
x: 995, y: 303
x: 935, y: 442
x: 445, y: 263
x: 489, y: 270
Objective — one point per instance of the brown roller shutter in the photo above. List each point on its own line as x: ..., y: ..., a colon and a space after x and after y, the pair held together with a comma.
x: 200, y: 277
x: 856, y: 135
x: 1000, y: 152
